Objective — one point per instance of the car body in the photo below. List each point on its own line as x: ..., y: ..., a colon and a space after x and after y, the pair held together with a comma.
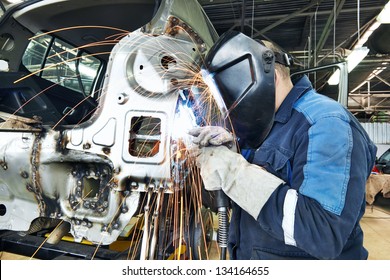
x: 382, y: 164
x: 95, y: 101
x: 96, y: 97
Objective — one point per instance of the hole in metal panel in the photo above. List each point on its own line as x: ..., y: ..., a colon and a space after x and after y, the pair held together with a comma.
x: 3, y: 209
x: 145, y: 134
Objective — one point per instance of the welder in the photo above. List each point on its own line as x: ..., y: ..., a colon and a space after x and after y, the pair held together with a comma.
x: 293, y: 162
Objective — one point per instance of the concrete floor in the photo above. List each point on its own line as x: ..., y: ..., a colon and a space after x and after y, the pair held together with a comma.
x: 376, y: 227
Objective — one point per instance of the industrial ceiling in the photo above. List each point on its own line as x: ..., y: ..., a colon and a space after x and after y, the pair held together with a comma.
x: 315, y: 32
x: 318, y: 32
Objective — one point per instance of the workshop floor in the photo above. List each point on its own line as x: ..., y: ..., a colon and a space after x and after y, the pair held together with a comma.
x: 375, y: 225
x: 376, y: 228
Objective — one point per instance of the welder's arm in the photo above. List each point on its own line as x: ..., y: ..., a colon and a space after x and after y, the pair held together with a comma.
x: 246, y: 184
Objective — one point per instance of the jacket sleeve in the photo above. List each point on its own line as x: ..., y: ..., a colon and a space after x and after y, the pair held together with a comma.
x: 320, y: 207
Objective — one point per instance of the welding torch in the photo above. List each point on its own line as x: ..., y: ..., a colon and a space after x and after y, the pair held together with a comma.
x: 216, y: 136
x: 222, y: 204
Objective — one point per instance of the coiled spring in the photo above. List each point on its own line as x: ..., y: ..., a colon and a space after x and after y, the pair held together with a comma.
x: 223, y: 227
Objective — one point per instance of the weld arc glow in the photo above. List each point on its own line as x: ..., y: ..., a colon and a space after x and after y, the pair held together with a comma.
x: 184, y: 120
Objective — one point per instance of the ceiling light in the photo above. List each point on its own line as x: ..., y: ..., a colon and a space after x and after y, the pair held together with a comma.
x: 356, y: 56
x: 367, y: 34
x: 353, y: 59
x: 335, y: 78
x: 384, y: 16
x: 359, y: 52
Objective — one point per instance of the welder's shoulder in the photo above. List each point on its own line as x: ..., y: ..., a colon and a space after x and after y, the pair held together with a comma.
x: 315, y: 106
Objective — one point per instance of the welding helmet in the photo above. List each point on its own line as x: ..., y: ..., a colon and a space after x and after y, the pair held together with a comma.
x: 240, y: 74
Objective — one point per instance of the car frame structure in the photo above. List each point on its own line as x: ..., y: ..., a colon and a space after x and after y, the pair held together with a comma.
x: 95, y: 101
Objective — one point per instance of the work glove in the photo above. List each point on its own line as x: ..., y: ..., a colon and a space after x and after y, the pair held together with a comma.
x: 212, y: 136
x: 246, y: 184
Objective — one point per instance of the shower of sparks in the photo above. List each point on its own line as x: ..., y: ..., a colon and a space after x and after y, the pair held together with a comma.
x: 80, y: 27
x: 170, y: 217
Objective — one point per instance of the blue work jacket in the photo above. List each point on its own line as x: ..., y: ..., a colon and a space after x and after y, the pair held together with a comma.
x: 325, y: 157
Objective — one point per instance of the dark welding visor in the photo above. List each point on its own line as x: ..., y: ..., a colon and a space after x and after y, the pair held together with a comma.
x: 240, y: 74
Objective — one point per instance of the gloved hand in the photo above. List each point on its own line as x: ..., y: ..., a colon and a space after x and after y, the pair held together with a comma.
x: 212, y: 136
x: 246, y: 184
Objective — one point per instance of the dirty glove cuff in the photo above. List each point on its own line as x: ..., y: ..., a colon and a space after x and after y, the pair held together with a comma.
x: 250, y: 187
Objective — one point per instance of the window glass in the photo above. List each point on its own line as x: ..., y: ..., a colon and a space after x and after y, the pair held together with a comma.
x: 61, y: 63
x: 88, y: 69
x: 35, y: 53
x: 385, y: 156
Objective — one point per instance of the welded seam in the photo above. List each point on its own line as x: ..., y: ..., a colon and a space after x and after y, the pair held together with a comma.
x: 36, y: 185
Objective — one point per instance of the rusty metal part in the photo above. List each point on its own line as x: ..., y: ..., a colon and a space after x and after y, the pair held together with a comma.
x: 36, y: 187
x: 176, y: 26
x: 58, y: 233
x: 42, y: 223
x: 92, y: 174
x: 16, y: 123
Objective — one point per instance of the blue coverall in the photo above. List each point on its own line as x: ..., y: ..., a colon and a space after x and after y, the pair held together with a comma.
x: 325, y: 157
